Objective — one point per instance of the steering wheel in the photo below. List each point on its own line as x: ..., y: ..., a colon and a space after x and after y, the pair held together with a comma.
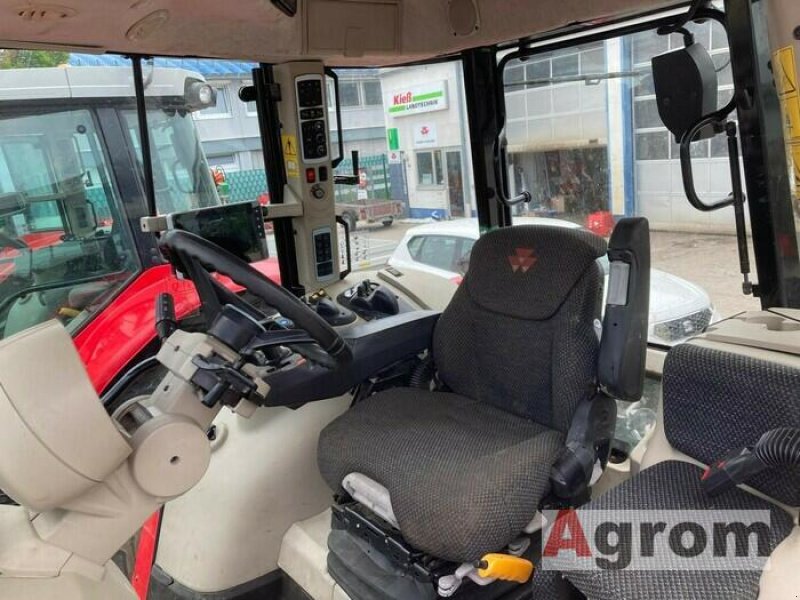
x: 197, y: 258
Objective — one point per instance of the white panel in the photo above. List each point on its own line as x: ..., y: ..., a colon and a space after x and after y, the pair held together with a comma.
x: 566, y: 99
x: 653, y: 176
x: 593, y: 97
x: 539, y: 102
x: 595, y: 125
x: 539, y: 130
x: 567, y: 128
x: 515, y: 106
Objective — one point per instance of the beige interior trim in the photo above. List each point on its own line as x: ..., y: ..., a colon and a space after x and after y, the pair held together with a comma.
x: 341, y: 32
x: 780, y: 579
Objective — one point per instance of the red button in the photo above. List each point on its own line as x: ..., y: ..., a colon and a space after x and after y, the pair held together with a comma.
x: 311, y: 175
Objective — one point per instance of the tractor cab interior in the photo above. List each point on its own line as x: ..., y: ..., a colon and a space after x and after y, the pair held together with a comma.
x: 318, y: 431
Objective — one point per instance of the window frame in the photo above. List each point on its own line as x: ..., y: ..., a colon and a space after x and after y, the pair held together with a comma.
x: 436, y: 184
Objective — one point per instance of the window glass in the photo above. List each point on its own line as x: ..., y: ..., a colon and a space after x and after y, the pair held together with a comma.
x: 538, y: 73
x: 199, y: 163
x: 348, y: 94
x: 439, y: 251
x: 565, y: 66
x: 65, y: 246
x: 415, y: 246
x: 372, y: 93
x: 181, y: 175
x: 653, y: 145
x: 429, y: 168
x: 592, y: 152
x: 515, y: 77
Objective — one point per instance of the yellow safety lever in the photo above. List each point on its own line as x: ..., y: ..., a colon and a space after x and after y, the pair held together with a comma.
x: 505, y: 567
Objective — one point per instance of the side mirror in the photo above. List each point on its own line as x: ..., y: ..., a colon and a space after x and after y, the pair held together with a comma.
x: 686, y: 88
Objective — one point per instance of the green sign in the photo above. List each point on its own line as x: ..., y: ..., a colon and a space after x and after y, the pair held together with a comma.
x: 394, y: 138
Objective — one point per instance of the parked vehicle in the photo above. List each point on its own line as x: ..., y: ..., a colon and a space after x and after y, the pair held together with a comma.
x: 679, y: 309
x: 69, y: 190
x: 366, y: 212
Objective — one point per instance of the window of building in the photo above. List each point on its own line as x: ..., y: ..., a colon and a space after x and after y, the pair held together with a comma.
x: 429, y: 168
x: 652, y: 145
x: 566, y: 66
x: 348, y: 94
x: 221, y: 109
x: 372, y: 93
x: 537, y: 73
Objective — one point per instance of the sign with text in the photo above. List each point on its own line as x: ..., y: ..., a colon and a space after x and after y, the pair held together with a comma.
x: 418, y: 99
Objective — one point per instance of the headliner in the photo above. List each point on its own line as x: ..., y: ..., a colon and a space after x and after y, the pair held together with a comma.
x: 339, y: 32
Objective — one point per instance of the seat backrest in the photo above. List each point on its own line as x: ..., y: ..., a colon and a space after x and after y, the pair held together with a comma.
x: 519, y: 332
x: 718, y: 400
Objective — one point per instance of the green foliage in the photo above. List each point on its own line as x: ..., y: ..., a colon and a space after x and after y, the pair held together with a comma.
x: 26, y: 59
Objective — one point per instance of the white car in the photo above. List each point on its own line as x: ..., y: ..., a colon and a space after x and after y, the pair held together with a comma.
x: 678, y: 308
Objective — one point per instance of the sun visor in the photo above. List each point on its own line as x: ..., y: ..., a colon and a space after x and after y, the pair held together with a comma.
x: 351, y: 27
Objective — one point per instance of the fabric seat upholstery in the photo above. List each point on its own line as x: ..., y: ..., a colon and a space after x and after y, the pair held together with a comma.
x: 464, y: 480
x: 517, y: 347
x: 675, y: 485
x: 715, y: 402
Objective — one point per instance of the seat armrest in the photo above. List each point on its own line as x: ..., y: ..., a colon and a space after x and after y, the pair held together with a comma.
x: 588, y: 441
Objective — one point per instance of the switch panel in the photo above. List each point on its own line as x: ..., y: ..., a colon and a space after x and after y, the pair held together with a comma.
x: 311, y: 116
x: 305, y: 133
x: 323, y: 253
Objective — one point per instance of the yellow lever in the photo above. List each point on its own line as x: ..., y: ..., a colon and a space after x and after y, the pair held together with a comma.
x: 505, y: 567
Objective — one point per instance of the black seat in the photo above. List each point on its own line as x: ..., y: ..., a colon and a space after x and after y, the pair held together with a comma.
x: 517, y: 351
x: 715, y: 402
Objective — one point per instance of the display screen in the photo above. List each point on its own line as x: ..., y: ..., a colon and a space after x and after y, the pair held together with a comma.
x: 239, y: 228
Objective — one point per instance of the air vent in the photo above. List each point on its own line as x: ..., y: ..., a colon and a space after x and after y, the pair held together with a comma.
x: 37, y: 13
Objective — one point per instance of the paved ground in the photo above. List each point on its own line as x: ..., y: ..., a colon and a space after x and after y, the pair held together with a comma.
x: 711, y: 261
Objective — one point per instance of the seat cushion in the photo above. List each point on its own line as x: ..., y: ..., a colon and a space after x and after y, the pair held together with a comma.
x: 675, y: 485
x: 464, y: 477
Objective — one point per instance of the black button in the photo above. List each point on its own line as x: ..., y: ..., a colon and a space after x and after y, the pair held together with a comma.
x: 323, y: 173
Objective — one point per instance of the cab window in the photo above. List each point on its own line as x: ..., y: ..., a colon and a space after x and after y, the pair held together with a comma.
x: 63, y: 246
x: 181, y: 175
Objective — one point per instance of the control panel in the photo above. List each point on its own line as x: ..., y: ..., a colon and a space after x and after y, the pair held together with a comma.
x: 311, y: 116
x: 323, y: 252
x: 303, y: 112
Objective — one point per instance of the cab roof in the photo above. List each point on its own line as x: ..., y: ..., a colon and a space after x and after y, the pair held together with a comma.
x: 339, y: 32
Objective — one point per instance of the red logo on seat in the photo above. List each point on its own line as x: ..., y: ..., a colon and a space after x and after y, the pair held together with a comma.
x: 522, y: 259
